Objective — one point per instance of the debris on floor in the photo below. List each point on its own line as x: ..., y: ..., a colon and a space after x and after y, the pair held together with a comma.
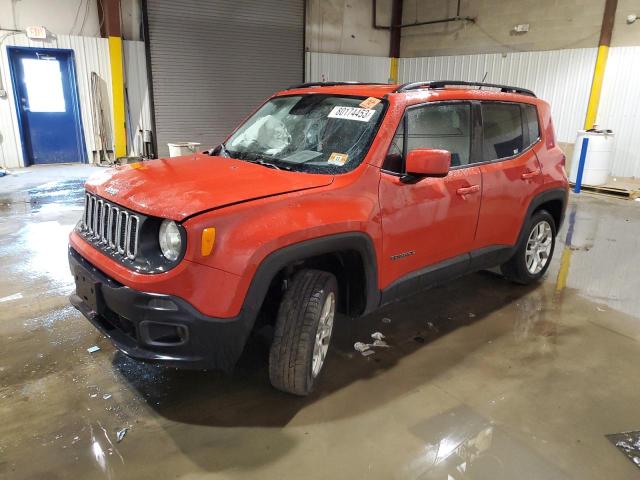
x: 106, y: 396
x: 93, y: 349
x: 386, y: 320
x: 121, y: 433
x: 418, y: 339
x: 377, y: 336
x: 628, y: 443
x: 366, y: 348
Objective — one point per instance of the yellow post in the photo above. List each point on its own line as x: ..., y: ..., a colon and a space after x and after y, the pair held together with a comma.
x: 596, y: 87
x: 117, y: 87
x: 608, y: 20
x: 393, y: 70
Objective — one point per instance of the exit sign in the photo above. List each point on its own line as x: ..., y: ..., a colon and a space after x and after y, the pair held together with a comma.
x: 36, y: 33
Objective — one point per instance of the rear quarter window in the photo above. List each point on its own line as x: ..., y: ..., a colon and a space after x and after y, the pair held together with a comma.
x: 531, y: 119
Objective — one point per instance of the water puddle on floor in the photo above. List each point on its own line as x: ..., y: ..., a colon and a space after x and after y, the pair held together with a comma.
x: 461, y: 443
x: 629, y: 444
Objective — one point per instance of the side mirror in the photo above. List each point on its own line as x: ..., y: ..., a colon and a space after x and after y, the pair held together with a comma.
x: 427, y: 162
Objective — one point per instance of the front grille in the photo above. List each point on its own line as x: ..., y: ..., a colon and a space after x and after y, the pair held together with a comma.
x: 110, y: 227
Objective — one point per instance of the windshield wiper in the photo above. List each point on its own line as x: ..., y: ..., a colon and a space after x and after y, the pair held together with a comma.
x: 223, y: 150
x: 262, y: 162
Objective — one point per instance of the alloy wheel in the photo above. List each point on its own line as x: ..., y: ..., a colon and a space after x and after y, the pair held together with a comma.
x: 538, y: 247
x: 323, y: 334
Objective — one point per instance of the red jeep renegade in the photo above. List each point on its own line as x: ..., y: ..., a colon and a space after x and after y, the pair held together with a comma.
x: 331, y: 197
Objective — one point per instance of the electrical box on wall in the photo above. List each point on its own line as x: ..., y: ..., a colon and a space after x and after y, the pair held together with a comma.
x: 36, y: 32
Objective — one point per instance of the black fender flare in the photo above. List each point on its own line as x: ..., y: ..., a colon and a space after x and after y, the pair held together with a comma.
x: 279, y: 259
x: 540, y: 199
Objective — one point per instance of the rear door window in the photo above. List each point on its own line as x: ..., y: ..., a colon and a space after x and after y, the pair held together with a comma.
x: 503, y: 136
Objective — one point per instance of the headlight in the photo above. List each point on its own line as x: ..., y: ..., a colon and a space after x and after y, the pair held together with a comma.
x: 170, y: 240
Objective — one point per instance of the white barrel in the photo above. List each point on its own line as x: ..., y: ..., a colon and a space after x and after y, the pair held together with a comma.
x: 182, y: 148
x: 599, y: 159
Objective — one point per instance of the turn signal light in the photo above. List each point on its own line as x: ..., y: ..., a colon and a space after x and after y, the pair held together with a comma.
x: 208, y: 240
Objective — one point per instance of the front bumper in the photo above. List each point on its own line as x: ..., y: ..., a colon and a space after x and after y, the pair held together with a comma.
x: 155, y: 327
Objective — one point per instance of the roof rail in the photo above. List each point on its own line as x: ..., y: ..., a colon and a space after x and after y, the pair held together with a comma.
x: 332, y: 84
x: 445, y: 83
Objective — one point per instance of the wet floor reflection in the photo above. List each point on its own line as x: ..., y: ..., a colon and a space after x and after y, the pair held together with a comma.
x: 34, y: 226
x: 52, y: 196
x: 462, y: 444
x: 482, y: 379
x: 601, y: 252
x: 629, y: 444
x: 535, y: 325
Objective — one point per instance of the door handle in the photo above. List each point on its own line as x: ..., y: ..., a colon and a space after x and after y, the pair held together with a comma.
x: 467, y: 190
x: 530, y: 174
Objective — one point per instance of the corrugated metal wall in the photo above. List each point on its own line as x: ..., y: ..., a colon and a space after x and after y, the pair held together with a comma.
x: 91, y: 55
x: 561, y: 77
x: 213, y: 63
x: 328, y: 67
x: 139, y: 111
x: 620, y: 108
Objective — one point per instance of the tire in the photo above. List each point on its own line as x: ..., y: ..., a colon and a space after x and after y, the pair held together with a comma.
x: 309, y: 302
x: 520, y: 268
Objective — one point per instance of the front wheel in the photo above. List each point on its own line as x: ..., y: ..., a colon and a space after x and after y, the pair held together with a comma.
x: 533, y: 254
x: 303, y: 331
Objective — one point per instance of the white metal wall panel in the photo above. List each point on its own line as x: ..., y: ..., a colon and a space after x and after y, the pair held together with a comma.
x: 561, y: 77
x: 334, y: 67
x: 91, y: 55
x: 135, y: 74
x: 620, y: 108
x: 212, y: 63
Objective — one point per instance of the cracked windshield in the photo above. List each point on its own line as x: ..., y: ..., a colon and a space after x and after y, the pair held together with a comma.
x: 308, y: 133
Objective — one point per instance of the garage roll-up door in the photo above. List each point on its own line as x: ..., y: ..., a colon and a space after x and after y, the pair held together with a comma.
x: 213, y: 62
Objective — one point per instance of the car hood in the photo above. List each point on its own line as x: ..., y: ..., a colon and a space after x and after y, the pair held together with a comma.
x: 180, y: 187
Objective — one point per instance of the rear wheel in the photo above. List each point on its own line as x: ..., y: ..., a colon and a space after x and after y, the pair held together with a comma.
x: 303, y: 331
x: 533, y: 254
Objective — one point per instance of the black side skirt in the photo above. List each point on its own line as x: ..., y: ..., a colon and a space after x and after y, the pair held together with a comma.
x: 446, y: 271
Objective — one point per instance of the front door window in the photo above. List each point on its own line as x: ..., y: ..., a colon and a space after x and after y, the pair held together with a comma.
x: 442, y: 127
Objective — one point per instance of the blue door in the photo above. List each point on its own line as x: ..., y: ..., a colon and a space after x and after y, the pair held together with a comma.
x: 46, y: 94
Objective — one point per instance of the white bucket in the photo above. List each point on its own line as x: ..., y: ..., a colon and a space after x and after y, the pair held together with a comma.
x: 182, y: 148
x: 597, y: 164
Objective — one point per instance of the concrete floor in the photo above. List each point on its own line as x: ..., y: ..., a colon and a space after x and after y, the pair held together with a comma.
x: 483, y: 380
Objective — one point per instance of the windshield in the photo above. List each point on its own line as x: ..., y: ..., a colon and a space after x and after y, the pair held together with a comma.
x: 309, y: 133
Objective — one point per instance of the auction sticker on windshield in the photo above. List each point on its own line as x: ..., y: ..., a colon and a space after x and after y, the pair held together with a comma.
x: 352, y: 113
x: 338, y: 159
x: 370, y: 102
